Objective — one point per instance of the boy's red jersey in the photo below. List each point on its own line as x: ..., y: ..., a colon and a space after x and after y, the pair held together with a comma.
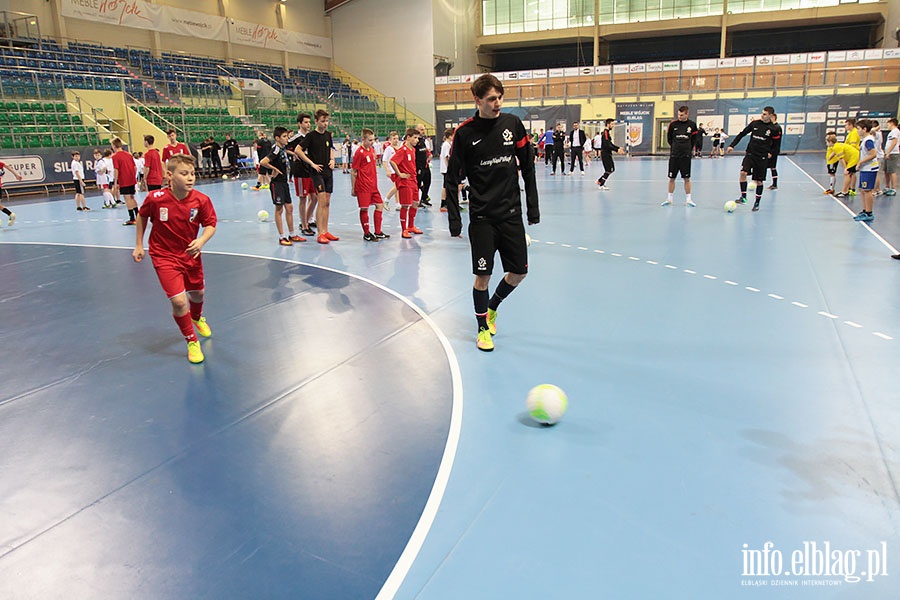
x: 154, y: 167
x: 366, y: 172
x: 123, y: 162
x: 176, y: 222
x: 405, y: 159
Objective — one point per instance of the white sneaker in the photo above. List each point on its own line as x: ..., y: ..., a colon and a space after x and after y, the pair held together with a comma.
x: 603, y: 188
x: 689, y: 203
x: 666, y: 203
x: 12, y: 218
x: 582, y: 173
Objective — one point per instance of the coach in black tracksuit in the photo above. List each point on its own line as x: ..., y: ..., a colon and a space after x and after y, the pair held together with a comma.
x: 423, y: 167
x: 607, y: 147
x: 763, y: 136
x: 577, y: 138
x: 486, y: 149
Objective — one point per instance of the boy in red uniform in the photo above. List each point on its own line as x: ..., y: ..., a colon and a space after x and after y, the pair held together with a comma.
x: 153, y: 167
x: 177, y: 213
x: 174, y: 147
x: 3, y: 209
x: 404, y: 164
x: 125, y: 177
x: 364, y: 185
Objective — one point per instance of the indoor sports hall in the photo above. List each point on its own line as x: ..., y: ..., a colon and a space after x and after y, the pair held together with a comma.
x: 731, y: 376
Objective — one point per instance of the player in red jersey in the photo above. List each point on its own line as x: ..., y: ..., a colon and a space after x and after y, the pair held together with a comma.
x: 177, y: 213
x: 364, y: 185
x: 153, y: 167
x: 404, y: 164
x: 174, y: 147
x: 125, y: 178
x: 3, y: 169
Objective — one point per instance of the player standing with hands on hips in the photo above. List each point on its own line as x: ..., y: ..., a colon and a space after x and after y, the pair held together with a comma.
x: 485, y: 150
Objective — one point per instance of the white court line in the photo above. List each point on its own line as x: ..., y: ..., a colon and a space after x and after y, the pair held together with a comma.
x: 847, y: 208
x: 689, y: 272
x: 710, y: 277
x: 429, y: 512
x: 729, y: 282
x: 751, y: 289
x: 800, y: 304
x: 852, y: 324
x: 776, y: 297
x: 827, y: 314
x: 882, y: 336
x: 652, y: 262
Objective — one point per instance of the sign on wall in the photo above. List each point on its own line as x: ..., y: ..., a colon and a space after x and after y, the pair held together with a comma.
x: 639, y: 119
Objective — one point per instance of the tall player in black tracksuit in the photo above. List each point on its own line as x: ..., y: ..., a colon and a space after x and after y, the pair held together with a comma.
x: 559, y: 149
x: 682, y: 136
x: 485, y: 150
x: 759, y: 150
x: 302, y: 175
x: 606, y: 151
x: 776, y: 150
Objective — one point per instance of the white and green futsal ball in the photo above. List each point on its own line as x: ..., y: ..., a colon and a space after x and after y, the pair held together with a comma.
x: 262, y: 215
x: 730, y: 206
x: 546, y: 403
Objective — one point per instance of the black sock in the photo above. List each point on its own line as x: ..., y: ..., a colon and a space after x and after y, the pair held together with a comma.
x: 743, y: 189
x: 503, y: 290
x: 481, y: 307
x: 6, y: 210
x: 774, y: 178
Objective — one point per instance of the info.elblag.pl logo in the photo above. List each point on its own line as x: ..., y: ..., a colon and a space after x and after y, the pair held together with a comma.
x: 812, y: 564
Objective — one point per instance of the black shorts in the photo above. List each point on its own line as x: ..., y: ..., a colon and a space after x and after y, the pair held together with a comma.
x: 832, y: 168
x: 851, y: 170
x: 773, y: 162
x: 264, y: 170
x: 680, y: 164
x: 755, y: 166
x: 507, y: 237
x: 324, y: 181
x: 126, y: 190
x: 281, y: 192
x: 79, y: 186
x: 153, y: 187
x: 608, y: 165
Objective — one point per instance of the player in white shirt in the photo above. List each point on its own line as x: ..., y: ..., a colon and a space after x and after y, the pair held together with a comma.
x: 879, y: 149
x: 78, y: 178
x: 390, y: 149
x: 588, y: 146
x: 102, y: 179
x: 891, y: 158
x: 598, y: 143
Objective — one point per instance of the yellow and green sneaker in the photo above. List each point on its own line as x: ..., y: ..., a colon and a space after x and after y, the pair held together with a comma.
x: 195, y: 354
x: 492, y: 321
x: 485, y: 343
x: 202, y: 327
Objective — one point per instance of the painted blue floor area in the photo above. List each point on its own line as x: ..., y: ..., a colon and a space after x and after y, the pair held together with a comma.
x: 732, y: 381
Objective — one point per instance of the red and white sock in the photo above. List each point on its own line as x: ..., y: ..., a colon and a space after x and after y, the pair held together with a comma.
x: 364, y: 219
x: 186, y: 327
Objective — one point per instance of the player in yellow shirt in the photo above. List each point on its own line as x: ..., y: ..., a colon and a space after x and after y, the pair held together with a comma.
x: 852, y: 138
x: 841, y: 151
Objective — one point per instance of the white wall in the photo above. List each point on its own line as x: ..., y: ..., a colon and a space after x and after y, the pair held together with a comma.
x: 389, y: 44
x: 454, y: 33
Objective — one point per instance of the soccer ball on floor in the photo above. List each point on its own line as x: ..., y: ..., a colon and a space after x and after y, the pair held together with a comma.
x: 244, y: 186
x: 546, y: 404
x: 730, y: 206
x: 262, y: 216
x: 224, y: 176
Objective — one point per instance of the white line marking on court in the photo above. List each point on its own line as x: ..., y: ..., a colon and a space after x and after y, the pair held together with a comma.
x: 729, y: 282
x: 776, y: 297
x: 882, y: 336
x: 671, y: 267
x: 710, y: 277
x: 566, y: 245
x: 582, y: 248
x: 852, y: 324
x: 615, y: 254
x: 652, y: 262
x: 827, y: 314
x: 689, y: 272
x: 847, y: 208
x: 600, y: 251
x: 549, y: 243
x: 751, y: 289
x: 800, y: 304
x: 633, y: 258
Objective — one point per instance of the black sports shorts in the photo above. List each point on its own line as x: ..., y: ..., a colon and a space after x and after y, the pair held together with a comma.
x: 755, y: 166
x: 680, y: 164
x: 506, y: 237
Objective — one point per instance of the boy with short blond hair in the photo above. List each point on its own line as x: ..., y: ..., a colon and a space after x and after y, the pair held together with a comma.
x: 177, y: 213
x: 364, y: 185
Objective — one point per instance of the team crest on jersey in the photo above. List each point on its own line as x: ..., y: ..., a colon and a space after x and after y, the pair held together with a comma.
x: 507, y: 137
x: 159, y: 193
x: 193, y: 214
x: 163, y: 214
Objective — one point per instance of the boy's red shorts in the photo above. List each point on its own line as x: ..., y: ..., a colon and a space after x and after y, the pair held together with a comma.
x: 177, y: 277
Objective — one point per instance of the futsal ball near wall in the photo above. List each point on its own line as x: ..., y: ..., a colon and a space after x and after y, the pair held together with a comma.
x: 546, y: 403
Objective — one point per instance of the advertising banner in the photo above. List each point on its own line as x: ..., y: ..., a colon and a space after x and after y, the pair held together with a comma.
x: 639, y: 119
x: 804, y: 119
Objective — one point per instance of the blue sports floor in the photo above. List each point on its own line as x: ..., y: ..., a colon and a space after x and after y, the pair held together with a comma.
x: 732, y: 381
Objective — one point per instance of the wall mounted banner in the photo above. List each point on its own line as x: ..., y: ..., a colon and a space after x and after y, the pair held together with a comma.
x: 167, y: 19
x: 639, y: 117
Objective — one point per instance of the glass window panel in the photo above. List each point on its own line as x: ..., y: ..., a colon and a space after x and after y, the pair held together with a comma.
x: 682, y: 8
x: 517, y: 11
x: 652, y: 10
x: 667, y: 9
x: 502, y: 12
x: 488, y: 17
x: 773, y: 4
x: 607, y: 11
